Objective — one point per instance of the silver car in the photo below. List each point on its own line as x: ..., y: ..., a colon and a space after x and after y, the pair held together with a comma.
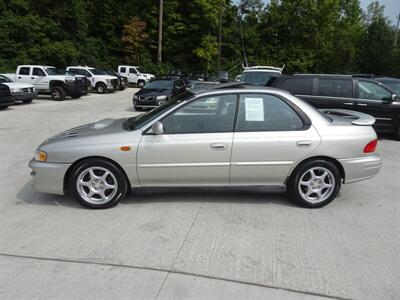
x: 250, y: 136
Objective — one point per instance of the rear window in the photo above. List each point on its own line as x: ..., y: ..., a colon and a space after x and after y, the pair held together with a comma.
x: 259, y: 78
x: 300, y: 86
x: 335, y: 87
x: 123, y: 70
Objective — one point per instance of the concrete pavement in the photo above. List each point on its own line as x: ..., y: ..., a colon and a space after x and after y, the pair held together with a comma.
x: 187, y: 243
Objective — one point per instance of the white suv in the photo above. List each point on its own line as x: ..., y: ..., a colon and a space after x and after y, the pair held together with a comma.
x: 98, y: 79
x: 134, y: 75
x: 260, y: 75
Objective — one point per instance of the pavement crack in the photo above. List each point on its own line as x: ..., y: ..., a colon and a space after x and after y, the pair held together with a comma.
x: 171, y: 269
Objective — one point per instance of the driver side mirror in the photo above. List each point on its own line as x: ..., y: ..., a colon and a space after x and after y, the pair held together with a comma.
x: 157, y: 128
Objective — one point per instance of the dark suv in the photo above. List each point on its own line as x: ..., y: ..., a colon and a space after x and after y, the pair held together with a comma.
x: 347, y: 92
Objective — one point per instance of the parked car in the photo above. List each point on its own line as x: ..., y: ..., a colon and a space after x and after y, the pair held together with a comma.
x: 203, y: 85
x: 46, y: 79
x: 6, y: 98
x: 20, y: 91
x: 122, y: 80
x: 259, y: 75
x: 251, y: 136
x: 135, y: 75
x: 157, y: 92
x: 347, y: 92
x: 99, y: 80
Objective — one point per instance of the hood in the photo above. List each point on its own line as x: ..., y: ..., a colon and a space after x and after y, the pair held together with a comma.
x: 106, y: 76
x: 18, y: 85
x: 153, y: 92
x: 105, y: 126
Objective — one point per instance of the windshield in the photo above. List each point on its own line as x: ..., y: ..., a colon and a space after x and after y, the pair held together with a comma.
x: 97, y: 72
x: 4, y: 79
x: 258, y: 78
x: 159, y: 84
x: 394, y: 85
x: 54, y: 71
x: 138, y: 121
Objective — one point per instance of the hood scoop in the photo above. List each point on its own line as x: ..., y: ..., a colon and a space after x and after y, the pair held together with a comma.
x: 103, y: 123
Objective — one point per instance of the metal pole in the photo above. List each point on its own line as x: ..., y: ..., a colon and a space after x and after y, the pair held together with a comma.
x: 397, y: 30
x: 160, y: 21
x: 220, y: 35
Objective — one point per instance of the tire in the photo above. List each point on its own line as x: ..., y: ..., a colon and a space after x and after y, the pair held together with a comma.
x: 3, y: 107
x: 101, y: 88
x: 397, y: 132
x: 313, y: 176
x: 27, y: 101
x: 58, y: 93
x: 140, y: 83
x: 94, y: 192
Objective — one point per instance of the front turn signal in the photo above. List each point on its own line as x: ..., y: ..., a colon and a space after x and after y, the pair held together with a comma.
x: 41, y: 156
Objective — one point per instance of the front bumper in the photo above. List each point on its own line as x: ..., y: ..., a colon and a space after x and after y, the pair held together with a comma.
x: 74, y: 88
x: 48, y: 177
x: 361, y: 168
x: 25, y: 96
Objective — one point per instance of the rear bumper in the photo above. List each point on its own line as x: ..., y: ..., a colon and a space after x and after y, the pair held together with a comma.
x: 361, y: 168
x: 48, y: 177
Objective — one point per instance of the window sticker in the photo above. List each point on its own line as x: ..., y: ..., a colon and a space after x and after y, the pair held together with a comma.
x: 254, y: 109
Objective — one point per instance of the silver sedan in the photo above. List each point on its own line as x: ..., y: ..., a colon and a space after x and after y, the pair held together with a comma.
x: 248, y: 137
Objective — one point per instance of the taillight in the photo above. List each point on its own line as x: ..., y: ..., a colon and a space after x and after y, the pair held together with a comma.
x: 371, y: 146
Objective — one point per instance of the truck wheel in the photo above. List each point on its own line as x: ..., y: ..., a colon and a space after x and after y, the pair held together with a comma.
x: 140, y: 83
x: 101, y: 88
x: 3, y: 107
x: 58, y: 93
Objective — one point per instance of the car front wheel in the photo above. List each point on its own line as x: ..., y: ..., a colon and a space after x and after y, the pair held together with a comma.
x: 98, y: 184
x: 314, y: 183
x: 101, y: 88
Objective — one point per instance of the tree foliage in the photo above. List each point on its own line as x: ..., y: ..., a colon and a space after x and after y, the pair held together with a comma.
x: 333, y: 36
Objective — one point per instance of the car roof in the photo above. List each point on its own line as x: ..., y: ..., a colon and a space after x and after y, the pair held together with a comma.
x: 387, y: 79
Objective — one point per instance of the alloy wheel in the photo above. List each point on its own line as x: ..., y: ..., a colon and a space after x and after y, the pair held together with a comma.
x: 316, y: 185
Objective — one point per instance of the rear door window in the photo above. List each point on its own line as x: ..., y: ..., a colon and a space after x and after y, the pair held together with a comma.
x: 262, y: 112
x: 298, y: 86
x: 24, y: 71
x: 342, y: 88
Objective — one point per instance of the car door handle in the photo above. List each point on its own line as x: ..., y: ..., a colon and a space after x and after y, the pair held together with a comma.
x: 217, y: 146
x: 32, y: 77
x: 303, y: 144
x: 19, y: 77
x: 348, y: 103
x: 362, y: 104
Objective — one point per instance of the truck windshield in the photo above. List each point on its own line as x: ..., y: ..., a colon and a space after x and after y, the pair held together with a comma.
x: 53, y: 71
x: 97, y: 72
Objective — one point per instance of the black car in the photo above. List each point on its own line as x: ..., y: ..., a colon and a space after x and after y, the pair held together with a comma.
x: 122, y: 80
x: 6, y: 98
x: 157, y: 92
x: 347, y: 92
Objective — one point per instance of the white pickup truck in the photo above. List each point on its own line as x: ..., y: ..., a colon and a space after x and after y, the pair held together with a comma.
x: 46, y: 79
x: 134, y: 75
x: 98, y: 79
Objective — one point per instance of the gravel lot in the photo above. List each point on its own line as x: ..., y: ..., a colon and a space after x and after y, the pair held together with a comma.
x: 184, y: 243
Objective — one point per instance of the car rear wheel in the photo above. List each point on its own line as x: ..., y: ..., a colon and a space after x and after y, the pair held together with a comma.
x: 314, y: 183
x: 58, y: 93
x: 397, y: 133
x: 98, y: 184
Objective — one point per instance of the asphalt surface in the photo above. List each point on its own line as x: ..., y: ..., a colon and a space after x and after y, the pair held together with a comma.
x: 187, y: 243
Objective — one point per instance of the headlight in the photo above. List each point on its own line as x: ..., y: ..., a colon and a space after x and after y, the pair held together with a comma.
x: 163, y: 97
x: 16, y: 90
x: 40, y: 155
x: 135, y: 97
x: 69, y: 80
x: 108, y: 80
